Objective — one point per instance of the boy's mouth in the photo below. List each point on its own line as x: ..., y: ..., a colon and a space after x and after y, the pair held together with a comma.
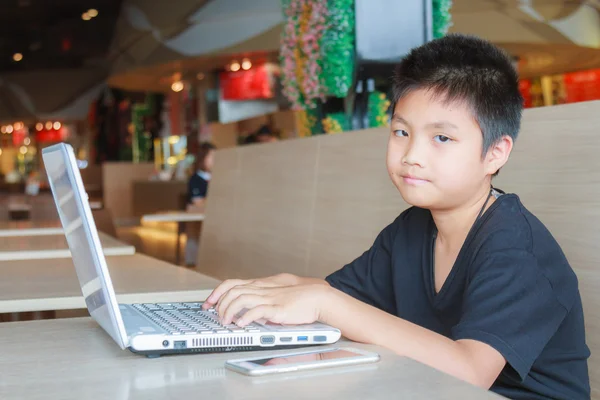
x: 414, y: 180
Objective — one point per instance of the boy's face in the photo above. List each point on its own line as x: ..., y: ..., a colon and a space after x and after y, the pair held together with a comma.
x: 434, y: 153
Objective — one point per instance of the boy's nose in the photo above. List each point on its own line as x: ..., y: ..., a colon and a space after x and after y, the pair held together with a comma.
x: 413, y: 156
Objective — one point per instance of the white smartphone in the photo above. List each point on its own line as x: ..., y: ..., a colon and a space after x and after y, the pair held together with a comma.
x: 302, y: 360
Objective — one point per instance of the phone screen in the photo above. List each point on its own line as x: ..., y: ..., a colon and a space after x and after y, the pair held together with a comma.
x: 333, y: 354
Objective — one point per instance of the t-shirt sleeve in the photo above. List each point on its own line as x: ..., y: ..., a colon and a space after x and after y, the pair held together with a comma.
x: 197, y: 188
x: 511, y: 305
x: 369, y: 277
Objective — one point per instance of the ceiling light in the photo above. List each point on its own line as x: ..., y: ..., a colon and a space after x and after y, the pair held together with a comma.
x: 27, y: 141
x: 57, y: 125
x: 0, y: 152
x: 17, y: 57
x: 246, y: 64
x: 235, y: 66
x: 18, y: 126
x: 39, y: 126
x: 86, y: 17
x: 23, y: 150
x: 9, y: 129
x: 92, y: 12
x: 177, y: 86
x: 3, y: 129
x: 48, y: 125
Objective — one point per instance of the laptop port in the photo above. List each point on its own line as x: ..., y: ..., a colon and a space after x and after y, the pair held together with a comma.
x: 267, y: 339
x: 320, y: 338
x: 179, y: 344
x: 286, y: 339
x: 303, y: 338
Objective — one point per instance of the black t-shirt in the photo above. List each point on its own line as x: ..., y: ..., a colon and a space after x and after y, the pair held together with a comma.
x: 197, y: 187
x: 511, y: 288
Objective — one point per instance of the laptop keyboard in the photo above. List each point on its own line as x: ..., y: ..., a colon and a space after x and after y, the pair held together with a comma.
x: 188, y: 319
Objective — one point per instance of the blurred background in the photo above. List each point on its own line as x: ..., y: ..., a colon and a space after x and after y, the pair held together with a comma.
x: 135, y: 86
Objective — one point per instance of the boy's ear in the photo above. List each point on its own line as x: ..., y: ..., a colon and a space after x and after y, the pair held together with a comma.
x: 498, y: 154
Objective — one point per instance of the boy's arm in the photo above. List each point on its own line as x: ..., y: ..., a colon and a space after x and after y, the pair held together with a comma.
x: 468, y: 360
x: 510, y: 311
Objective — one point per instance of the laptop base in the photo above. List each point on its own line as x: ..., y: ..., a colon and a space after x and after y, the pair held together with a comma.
x: 160, y: 353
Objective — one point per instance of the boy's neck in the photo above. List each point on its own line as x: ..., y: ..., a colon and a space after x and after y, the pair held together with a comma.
x: 454, y: 225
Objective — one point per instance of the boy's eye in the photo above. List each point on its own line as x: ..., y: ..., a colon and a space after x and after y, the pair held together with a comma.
x: 442, y: 139
x: 400, y: 133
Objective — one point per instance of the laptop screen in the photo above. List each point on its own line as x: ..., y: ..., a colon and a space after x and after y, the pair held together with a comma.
x: 82, y: 237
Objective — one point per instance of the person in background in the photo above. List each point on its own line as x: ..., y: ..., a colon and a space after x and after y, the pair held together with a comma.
x: 198, y: 183
x: 265, y: 135
x: 262, y: 135
x: 197, y: 190
x: 32, y: 185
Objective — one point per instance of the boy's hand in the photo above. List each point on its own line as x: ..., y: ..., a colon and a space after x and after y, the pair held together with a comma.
x: 271, y: 281
x: 300, y: 304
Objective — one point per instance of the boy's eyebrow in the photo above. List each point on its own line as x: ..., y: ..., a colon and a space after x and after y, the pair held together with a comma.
x: 434, y: 125
x: 397, y: 118
x: 442, y: 125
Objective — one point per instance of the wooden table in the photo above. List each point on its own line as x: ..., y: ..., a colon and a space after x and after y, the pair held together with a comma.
x: 30, y: 228
x: 75, y: 359
x: 96, y: 205
x: 19, y: 207
x: 174, y: 216
x: 179, y: 217
x: 53, y: 246
x: 50, y: 285
x: 18, y: 211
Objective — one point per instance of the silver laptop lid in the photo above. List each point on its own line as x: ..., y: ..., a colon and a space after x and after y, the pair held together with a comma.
x: 82, y: 236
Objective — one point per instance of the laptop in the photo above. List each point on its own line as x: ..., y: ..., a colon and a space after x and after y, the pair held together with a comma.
x: 152, y: 329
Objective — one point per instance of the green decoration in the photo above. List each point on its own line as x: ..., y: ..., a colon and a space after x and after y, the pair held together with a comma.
x: 300, y: 53
x: 337, y: 48
x: 303, y: 124
x: 317, y: 50
x: 141, y: 142
x: 318, y: 60
x: 309, y: 123
x: 442, y: 20
x: 316, y: 126
x: 378, y: 106
x: 336, y: 123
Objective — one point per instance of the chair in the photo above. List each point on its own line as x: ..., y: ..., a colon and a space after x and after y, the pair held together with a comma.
x: 104, y: 221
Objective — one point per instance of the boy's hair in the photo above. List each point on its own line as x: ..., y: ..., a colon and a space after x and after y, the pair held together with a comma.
x: 466, y: 68
x: 203, y: 150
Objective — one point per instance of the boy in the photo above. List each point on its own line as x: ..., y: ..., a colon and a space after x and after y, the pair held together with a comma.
x: 467, y: 280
